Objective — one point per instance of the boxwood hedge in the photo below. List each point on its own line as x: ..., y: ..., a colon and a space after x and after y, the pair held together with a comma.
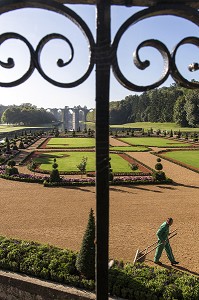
x: 127, y: 281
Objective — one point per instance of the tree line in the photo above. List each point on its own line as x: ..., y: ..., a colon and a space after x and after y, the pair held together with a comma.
x: 26, y: 114
x: 166, y: 104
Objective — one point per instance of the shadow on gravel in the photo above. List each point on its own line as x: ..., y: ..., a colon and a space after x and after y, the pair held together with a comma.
x: 186, y: 185
x: 114, y: 189
x: 80, y: 188
x: 133, y: 187
x: 179, y: 268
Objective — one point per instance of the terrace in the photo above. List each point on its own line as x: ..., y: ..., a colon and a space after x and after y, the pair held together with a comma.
x: 103, y: 56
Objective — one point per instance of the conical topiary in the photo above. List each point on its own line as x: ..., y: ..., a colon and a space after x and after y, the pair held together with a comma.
x: 159, y: 175
x: 54, y: 175
x: 85, y: 262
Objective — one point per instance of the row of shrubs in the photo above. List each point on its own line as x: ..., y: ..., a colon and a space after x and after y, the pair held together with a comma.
x: 45, y: 180
x: 10, y: 148
x: 54, y: 179
x: 42, y: 261
x: 128, y: 281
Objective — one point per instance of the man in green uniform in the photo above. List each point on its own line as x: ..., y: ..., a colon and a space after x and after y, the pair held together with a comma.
x: 163, y: 243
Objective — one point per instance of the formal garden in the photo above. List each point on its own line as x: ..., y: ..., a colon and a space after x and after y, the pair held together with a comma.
x: 73, y: 153
x: 70, y: 160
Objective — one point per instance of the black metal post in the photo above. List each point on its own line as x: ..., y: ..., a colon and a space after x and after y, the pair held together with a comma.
x: 102, y: 147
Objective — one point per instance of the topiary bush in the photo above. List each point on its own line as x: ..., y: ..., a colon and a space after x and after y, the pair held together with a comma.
x: 158, y: 166
x: 110, y: 171
x: 134, y: 167
x: 85, y: 262
x: 21, y: 145
x: 54, y: 175
x: 159, y: 175
x: 11, y: 169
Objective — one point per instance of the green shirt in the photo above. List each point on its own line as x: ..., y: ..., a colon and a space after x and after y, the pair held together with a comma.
x: 163, y: 232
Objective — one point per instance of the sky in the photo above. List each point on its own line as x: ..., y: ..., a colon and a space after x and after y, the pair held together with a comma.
x: 34, y: 24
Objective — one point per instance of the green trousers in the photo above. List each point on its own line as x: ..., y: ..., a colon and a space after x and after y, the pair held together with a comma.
x: 159, y: 250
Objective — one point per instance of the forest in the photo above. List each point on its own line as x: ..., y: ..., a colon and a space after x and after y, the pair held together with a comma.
x: 26, y: 114
x: 166, y: 104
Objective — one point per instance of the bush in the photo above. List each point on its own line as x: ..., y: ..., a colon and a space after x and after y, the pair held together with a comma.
x: 134, y: 167
x: 11, y: 163
x: 126, y: 281
x: 54, y: 175
x: 172, y: 292
x: 85, y: 263
x: 159, y: 176
x: 21, y: 145
x: 11, y: 171
x: 110, y: 171
x: 158, y: 166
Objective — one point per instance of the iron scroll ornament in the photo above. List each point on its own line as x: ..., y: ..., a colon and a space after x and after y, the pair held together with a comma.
x: 108, y: 55
x: 35, y: 62
x: 170, y: 67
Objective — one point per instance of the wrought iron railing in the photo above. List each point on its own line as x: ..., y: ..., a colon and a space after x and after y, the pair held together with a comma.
x: 103, y: 55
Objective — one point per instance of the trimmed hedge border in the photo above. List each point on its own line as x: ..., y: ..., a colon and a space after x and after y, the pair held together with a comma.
x: 126, y: 280
x: 123, y: 180
x: 174, y: 146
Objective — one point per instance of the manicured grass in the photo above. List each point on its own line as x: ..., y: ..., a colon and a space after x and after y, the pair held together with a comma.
x: 7, y: 129
x: 187, y: 157
x: 68, y: 161
x: 154, y: 141
x: 70, y: 143
x: 129, y: 148
x: 10, y: 128
x: 155, y: 126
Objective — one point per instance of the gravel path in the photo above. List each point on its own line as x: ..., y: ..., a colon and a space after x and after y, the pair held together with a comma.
x: 58, y: 216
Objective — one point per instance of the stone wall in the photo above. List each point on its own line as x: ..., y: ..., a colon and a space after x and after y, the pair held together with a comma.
x: 15, y: 286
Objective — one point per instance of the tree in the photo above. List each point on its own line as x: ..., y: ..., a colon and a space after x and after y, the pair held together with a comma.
x: 192, y: 108
x: 179, y: 112
x: 85, y: 262
x: 82, y: 165
x: 27, y: 114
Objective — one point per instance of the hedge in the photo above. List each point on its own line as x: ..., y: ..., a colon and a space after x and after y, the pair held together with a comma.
x: 127, y: 281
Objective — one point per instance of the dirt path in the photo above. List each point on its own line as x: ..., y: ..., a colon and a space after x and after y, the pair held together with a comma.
x: 59, y: 216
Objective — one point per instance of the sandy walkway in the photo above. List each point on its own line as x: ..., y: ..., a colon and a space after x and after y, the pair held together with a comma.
x: 59, y: 216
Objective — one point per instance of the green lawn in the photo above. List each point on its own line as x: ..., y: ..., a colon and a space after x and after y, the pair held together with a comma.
x: 70, y: 143
x: 155, y: 125
x: 11, y: 128
x: 187, y: 157
x: 153, y: 141
x: 6, y: 128
x: 68, y: 161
